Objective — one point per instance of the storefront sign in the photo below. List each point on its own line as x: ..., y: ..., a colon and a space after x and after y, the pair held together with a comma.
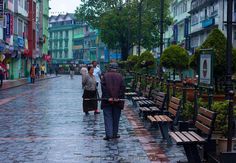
x: 20, y: 42
x: 206, y: 67
x: 1, y: 9
x: 8, y: 25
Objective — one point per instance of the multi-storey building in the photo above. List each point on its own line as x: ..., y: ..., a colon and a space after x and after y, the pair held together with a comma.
x: 15, y: 35
x: 73, y: 41
x: 194, y: 20
x: 42, y: 18
x: 178, y: 32
x: 206, y: 15
x: 61, y: 29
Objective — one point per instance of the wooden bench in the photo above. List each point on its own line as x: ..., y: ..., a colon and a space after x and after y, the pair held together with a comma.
x: 190, y: 139
x: 166, y: 121
x: 159, y: 99
x: 136, y: 93
x: 148, y: 102
x: 145, y: 94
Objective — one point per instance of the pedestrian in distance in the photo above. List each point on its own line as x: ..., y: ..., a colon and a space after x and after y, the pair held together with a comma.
x: 32, y: 74
x: 1, y: 75
x: 90, y: 92
x: 56, y: 70
x: 97, y: 74
x: 42, y: 68
x: 113, y: 89
x: 37, y: 71
x: 72, y: 71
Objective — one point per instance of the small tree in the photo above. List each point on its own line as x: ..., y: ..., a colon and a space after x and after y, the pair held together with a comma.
x: 175, y: 57
x: 146, y: 62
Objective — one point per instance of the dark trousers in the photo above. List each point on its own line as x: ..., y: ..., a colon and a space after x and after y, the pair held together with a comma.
x: 1, y: 81
x: 111, y: 119
x: 32, y: 80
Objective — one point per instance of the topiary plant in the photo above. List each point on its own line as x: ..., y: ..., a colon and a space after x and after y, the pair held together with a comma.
x: 175, y: 57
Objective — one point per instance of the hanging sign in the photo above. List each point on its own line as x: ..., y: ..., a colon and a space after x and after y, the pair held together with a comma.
x: 1, y: 9
x: 206, y: 67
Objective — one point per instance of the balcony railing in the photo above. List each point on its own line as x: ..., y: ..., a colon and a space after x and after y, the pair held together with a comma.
x: 199, y: 4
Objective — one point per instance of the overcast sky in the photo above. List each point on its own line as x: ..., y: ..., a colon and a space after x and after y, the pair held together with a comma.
x: 63, y: 6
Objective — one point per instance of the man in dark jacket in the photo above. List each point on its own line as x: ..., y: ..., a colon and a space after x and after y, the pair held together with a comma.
x: 113, y: 90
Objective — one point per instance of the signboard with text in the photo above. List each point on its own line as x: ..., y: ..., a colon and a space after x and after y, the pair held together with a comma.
x: 206, y: 67
x: 8, y: 25
x: 1, y: 9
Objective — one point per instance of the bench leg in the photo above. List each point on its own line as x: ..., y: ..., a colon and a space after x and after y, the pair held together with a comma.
x: 164, y: 127
x: 192, y: 153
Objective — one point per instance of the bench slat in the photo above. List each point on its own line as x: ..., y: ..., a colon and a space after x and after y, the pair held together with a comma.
x: 197, y: 136
x: 189, y: 136
x: 162, y: 94
x: 151, y: 118
x: 206, y: 112
x: 175, y: 100
x: 202, y: 127
x: 182, y: 136
x: 166, y: 118
x: 163, y: 118
x: 158, y: 119
x: 175, y: 137
x: 204, y: 120
x: 173, y: 106
x: 172, y: 111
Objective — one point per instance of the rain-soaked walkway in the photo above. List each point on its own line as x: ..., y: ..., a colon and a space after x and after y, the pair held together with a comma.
x: 44, y: 122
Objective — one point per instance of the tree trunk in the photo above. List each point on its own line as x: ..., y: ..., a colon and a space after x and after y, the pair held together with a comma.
x: 216, y: 84
x: 124, y: 52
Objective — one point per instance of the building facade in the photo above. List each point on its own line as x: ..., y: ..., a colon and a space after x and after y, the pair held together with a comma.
x: 194, y: 20
x: 206, y: 15
x: 71, y: 41
x: 61, y: 29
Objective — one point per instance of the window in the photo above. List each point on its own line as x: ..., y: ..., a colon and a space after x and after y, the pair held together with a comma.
x: 55, y: 35
x: 20, y: 28
x: 55, y: 55
x: 21, y: 3
x: 25, y: 30
x: 66, y: 44
x: 234, y: 35
x: 66, y: 34
x: 60, y: 55
x: 194, y: 19
x: 194, y: 41
x: 61, y: 34
x: 66, y: 54
x: 60, y: 44
x: 26, y: 5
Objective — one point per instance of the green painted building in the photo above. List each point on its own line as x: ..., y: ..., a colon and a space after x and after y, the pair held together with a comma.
x: 61, y: 29
x: 45, y: 25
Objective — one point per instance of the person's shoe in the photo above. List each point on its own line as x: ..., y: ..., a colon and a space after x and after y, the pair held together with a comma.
x: 116, y: 137
x: 107, y: 138
x: 86, y: 113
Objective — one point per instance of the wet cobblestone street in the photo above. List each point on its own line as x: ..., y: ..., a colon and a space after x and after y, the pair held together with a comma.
x: 44, y: 122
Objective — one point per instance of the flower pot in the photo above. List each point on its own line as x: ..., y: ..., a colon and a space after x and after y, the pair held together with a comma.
x: 222, y: 145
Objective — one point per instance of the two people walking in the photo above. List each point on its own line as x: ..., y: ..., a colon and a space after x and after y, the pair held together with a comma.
x: 113, y: 89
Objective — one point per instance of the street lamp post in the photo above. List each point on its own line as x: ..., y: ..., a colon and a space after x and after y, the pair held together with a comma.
x: 229, y: 86
x: 161, y: 35
x: 140, y: 25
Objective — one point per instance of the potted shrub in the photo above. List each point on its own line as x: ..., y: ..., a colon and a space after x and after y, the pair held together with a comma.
x: 221, y: 124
